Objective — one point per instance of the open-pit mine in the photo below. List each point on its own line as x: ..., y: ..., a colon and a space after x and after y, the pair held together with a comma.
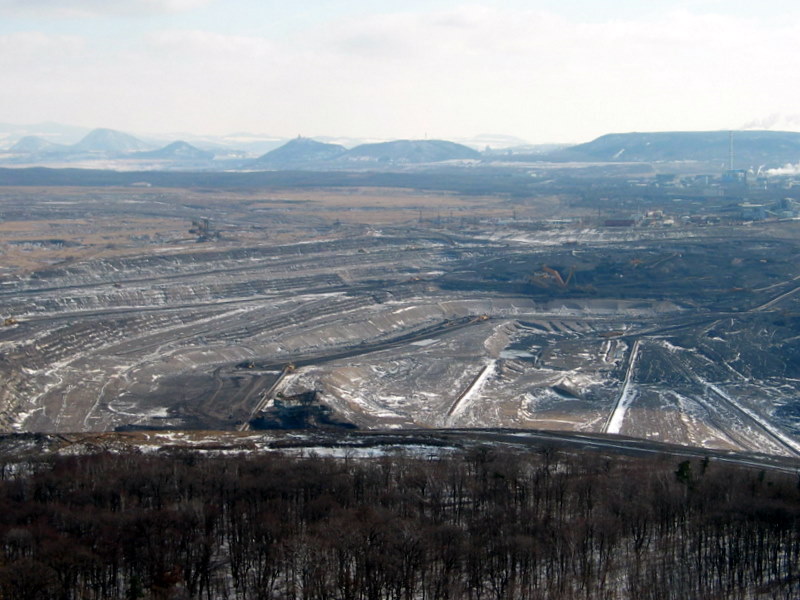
x: 139, y: 308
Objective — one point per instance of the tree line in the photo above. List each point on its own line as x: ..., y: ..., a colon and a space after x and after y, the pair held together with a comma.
x: 479, y: 524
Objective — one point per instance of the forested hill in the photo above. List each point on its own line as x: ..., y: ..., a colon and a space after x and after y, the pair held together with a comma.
x: 476, y: 524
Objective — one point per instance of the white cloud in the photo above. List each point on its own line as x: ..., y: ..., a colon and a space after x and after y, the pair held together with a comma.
x: 539, y: 71
x: 775, y: 122
x: 32, y: 48
x: 447, y: 73
x: 91, y: 8
x: 217, y: 47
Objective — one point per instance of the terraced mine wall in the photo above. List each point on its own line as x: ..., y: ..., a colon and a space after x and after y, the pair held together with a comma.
x: 685, y: 336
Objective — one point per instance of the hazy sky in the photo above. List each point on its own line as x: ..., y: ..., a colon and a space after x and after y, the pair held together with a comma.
x: 543, y: 70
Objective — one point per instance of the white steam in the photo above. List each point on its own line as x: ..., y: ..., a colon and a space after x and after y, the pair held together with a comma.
x: 785, y: 170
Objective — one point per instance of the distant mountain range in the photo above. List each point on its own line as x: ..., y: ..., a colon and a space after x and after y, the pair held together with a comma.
x: 751, y: 149
x: 179, y: 150
x: 33, y: 144
x: 297, y: 153
x: 108, y: 142
x: 411, y: 151
x: 52, y: 132
x: 712, y: 149
x: 102, y: 148
x: 102, y: 144
x: 304, y: 152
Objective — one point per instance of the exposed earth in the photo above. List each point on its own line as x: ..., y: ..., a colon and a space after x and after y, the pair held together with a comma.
x: 380, y: 309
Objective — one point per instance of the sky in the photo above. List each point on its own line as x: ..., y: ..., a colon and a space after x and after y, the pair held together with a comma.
x: 541, y: 70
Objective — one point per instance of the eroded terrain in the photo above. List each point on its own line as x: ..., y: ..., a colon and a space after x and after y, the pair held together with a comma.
x: 392, y: 309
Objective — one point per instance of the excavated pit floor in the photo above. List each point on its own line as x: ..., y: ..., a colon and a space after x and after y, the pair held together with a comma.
x: 676, y: 336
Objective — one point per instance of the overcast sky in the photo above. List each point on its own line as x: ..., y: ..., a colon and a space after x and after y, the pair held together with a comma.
x: 542, y: 70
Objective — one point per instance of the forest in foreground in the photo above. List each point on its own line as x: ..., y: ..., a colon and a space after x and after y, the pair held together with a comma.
x: 482, y: 524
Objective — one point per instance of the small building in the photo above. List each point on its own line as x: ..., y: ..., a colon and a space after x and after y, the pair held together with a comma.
x: 752, y: 212
x: 734, y: 177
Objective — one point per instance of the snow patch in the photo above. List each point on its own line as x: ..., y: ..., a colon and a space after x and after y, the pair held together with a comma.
x: 629, y: 394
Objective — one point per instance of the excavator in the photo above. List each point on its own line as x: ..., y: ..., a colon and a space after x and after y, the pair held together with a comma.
x: 550, y: 274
